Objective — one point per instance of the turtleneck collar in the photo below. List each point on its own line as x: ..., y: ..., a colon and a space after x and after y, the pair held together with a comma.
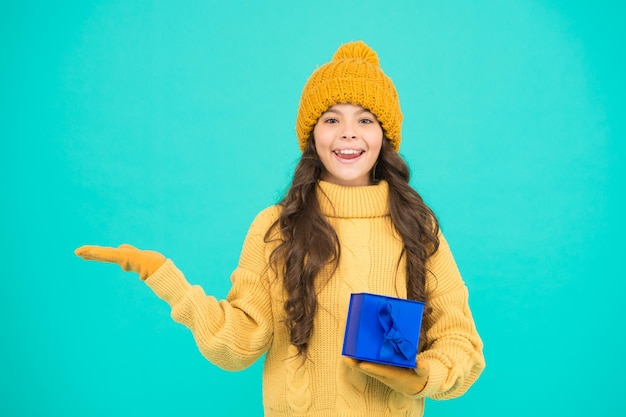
x: 353, y: 202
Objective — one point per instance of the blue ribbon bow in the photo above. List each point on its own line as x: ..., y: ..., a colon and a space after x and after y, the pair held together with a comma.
x: 393, y: 341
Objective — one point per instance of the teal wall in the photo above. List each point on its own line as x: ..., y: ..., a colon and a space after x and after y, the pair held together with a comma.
x: 169, y: 125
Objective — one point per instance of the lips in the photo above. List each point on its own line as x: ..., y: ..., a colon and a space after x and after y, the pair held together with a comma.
x: 348, y: 153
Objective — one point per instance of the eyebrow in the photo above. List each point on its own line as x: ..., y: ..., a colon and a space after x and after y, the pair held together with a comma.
x: 332, y: 110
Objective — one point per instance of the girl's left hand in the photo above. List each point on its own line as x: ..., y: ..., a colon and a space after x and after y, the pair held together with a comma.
x: 404, y: 380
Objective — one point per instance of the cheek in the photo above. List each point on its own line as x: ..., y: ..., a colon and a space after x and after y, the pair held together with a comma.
x: 375, y: 155
x: 376, y: 143
x: 322, y: 137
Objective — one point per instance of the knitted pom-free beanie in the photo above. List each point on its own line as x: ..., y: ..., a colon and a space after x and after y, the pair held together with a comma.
x: 353, y: 76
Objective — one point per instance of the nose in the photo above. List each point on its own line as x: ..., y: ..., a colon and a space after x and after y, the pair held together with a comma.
x: 348, y: 133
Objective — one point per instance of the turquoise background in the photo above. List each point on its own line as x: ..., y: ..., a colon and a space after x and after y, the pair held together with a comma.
x: 169, y: 125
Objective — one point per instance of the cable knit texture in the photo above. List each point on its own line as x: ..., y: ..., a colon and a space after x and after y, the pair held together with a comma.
x: 235, y: 332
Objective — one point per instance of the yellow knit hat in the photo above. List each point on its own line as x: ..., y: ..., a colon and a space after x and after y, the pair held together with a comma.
x: 353, y: 76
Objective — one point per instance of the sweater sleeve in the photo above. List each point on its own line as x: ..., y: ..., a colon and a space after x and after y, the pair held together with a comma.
x: 454, y: 350
x: 231, y: 333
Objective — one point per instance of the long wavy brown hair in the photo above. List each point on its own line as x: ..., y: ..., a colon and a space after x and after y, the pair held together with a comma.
x: 309, y: 243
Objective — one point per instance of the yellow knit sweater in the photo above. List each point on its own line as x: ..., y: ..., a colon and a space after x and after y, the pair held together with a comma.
x: 235, y: 332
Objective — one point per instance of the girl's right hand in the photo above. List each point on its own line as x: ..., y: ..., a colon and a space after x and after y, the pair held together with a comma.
x: 129, y: 258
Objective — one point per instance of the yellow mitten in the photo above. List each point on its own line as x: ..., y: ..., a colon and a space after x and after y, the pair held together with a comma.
x: 129, y: 258
x: 404, y: 380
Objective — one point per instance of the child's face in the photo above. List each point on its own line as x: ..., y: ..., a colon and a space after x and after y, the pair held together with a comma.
x: 348, y: 139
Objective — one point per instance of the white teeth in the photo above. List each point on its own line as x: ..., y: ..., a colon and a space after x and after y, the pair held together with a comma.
x: 348, y: 152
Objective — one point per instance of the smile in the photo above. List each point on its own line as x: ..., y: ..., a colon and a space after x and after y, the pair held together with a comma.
x: 348, y: 153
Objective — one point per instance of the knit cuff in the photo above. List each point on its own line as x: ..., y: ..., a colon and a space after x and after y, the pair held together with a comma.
x: 436, y: 377
x: 168, y: 283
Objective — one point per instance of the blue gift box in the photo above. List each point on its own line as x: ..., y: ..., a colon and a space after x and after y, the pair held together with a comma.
x: 383, y: 329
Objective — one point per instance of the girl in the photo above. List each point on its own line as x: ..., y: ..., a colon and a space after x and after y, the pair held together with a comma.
x: 350, y: 223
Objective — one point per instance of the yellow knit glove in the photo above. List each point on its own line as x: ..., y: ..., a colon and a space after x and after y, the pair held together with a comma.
x: 129, y: 258
x: 404, y: 380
